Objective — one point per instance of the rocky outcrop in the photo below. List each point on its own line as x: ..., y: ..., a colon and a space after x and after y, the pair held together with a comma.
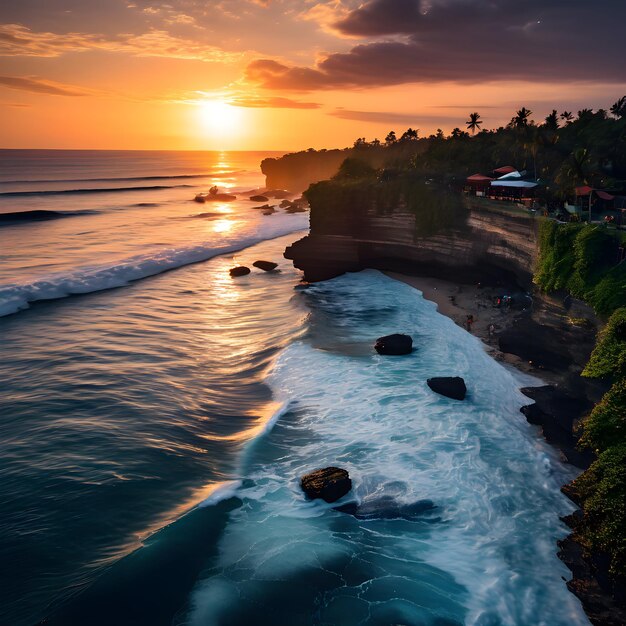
x: 387, y: 507
x: 395, y: 345
x: 241, y: 270
x: 266, y: 266
x: 329, y: 484
x: 259, y: 198
x: 449, y: 386
x: 489, y: 246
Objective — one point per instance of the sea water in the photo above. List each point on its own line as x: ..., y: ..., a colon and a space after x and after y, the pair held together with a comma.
x: 481, y: 552
x: 153, y: 435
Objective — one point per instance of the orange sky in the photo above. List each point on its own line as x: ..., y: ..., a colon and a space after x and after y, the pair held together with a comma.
x: 255, y: 74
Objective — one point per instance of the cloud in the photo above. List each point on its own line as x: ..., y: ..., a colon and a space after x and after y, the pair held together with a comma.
x: 39, y: 85
x: 377, y: 117
x: 18, y: 40
x: 272, y: 103
x: 327, y: 15
x: 464, y: 41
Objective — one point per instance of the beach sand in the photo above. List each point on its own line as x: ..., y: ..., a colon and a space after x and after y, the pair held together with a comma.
x: 457, y: 301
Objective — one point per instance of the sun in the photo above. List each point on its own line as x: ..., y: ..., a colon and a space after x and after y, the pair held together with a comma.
x: 220, y: 118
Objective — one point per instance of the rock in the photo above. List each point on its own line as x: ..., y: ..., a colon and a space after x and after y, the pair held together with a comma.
x: 284, y: 203
x: 215, y: 197
x: 269, y: 211
x: 266, y: 266
x: 329, y: 483
x: 259, y: 198
x: 449, y: 386
x: 278, y: 193
x: 394, y: 344
x: 386, y: 507
x: 241, y: 270
x: 263, y: 207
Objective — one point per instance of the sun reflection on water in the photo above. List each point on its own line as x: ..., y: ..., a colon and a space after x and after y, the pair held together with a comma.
x: 222, y: 225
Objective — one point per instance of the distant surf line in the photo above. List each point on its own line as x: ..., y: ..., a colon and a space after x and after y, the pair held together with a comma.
x: 60, y: 192
x: 118, y: 179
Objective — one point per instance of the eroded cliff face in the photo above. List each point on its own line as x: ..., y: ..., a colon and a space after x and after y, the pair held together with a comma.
x: 489, y: 246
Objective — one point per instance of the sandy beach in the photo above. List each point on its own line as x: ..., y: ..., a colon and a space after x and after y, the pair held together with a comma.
x: 457, y: 301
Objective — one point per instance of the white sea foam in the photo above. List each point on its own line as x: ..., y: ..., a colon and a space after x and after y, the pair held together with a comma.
x: 485, y: 555
x: 18, y: 296
x: 224, y: 490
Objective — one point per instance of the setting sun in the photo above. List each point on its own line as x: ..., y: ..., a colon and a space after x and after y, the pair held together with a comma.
x: 220, y: 118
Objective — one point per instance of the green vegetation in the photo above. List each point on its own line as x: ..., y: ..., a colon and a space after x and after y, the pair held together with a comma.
x: 562, y: 151
x: 340, y: 204
x: 583, y: 260
x: 602, y: 491
x: 607, y: 423
x: 609, y: 356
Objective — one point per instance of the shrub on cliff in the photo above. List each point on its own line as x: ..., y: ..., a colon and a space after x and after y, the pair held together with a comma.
x: 583, y: 259
x: 353, y: 168
x: 340, y: 206
x: 556, y: 255
x: 606, y: 425
x: 602, y: 492
x: 609, y: 356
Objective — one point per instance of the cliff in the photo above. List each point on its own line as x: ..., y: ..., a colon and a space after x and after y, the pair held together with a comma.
x: 424, y: 231
x: 297, y: 170
x: 483, y: 244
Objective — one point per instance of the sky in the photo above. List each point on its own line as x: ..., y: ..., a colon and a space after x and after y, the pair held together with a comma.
x: 294, y: 74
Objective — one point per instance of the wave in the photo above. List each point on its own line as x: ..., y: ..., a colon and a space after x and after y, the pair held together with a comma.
x: 60, y: 192
x: 488, y: 555
x: 104, y: 180
x: 17, y: 297
x: 222, y: 492
x: 37, y: 215
x: 123, y: 179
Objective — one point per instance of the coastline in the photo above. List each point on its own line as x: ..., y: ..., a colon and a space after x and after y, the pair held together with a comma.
x: 457, y: 301
x: 564, y: 399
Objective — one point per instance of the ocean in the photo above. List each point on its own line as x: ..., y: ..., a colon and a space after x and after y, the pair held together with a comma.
x: 156, y: 415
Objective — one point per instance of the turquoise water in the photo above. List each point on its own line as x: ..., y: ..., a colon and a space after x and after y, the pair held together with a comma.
x: 484, y: 555
x: 152, y: 435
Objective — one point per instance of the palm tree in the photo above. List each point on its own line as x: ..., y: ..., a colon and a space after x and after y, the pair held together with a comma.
x: 409, y: 135
x: 552, y: 121
x: 474, y: 122
x: 567, y: 117
x: 456, y: 133
x: 619, y: 108
x: 521, y: 117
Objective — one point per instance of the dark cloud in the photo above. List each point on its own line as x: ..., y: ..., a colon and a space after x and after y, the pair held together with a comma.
x: 376, y: 117
x: 272, y: 103
x: 466, y: 41
x: 38, y: 85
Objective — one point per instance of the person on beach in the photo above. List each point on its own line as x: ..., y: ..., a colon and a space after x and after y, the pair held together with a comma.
x: 492, y: 331
x: 468, y: 323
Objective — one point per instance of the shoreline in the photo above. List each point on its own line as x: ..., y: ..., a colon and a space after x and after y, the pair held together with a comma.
x: 457, y: 301
x: 560, y: 403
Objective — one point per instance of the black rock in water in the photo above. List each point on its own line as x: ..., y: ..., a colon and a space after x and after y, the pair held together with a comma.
x: 449, y: 386
x: 241, y: 270
x: 259, y: 198
x: 329, y: 483
x: 266, y: 266
x: 394, y: 344
x: 387, y: 507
